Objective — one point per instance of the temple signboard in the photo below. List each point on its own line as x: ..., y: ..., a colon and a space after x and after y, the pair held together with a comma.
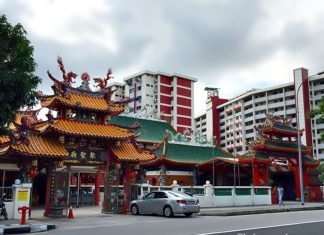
x: 85, y: 155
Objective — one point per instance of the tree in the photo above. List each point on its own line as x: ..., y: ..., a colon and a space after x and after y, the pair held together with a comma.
x: 18, y: 82
x: 318, y: 113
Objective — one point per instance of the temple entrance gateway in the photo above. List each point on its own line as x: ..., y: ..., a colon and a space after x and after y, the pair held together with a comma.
x: 287, y: 181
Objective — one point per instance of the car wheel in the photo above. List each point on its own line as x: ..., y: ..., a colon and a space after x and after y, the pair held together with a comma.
x: 188, y: 214
x: 167, y: 211
x: 134, y: 210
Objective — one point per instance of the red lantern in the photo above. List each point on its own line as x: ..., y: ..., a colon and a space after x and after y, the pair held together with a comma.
x: 33, y: 172
x: 131, y: 174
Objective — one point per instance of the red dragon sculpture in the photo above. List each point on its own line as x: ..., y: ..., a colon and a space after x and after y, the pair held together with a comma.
x: 102, y: 83
x: 68, y: 78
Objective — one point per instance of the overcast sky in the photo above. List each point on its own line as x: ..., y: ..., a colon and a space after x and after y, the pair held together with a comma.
x: 234, y: 45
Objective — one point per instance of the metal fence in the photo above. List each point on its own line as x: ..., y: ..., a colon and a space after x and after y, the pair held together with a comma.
x: 6, y: 193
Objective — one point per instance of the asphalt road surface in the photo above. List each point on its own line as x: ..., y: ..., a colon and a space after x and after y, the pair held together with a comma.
x: 308, y: 228
x: 290, y: 223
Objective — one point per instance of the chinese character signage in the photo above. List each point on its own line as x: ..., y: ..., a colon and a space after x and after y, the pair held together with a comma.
x: 85, y: 155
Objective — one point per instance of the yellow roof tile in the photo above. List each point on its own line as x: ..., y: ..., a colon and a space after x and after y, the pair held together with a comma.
x: 90, y: 129
x: 128, y: 152
x: 4, y: 139
x: 40, y: 146
x: 82, y: 102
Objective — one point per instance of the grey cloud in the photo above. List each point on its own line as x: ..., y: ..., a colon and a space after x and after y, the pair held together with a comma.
x: 205, y: 39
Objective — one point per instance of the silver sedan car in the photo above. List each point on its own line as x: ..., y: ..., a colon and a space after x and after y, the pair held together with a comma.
x: 165, y: 203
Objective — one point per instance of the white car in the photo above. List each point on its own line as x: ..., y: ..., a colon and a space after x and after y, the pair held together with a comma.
x: 165, y: 203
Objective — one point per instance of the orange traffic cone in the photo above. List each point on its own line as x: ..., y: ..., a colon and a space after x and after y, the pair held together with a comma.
x: 70, y: 214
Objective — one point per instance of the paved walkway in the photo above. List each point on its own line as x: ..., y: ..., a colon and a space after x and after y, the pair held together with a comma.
x: 38, y: 222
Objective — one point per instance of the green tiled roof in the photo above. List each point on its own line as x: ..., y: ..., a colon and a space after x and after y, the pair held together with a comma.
x: 192, y: 153
x: 150, y: 131
x: 284, y: 145
x: 309, y: 159
x: 250, y: 155
x: 285, y: 128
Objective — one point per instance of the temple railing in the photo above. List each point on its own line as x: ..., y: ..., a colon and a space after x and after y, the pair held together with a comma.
x: 214, y: 196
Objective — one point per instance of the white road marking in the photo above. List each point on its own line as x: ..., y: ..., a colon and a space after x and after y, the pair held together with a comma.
x: 272, y: 226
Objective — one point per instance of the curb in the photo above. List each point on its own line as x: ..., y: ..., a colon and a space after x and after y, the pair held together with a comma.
x: 265, y: 211
x: 29, y: 228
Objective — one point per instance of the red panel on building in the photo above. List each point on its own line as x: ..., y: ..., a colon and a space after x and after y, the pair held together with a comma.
x: 165, y: 109
x: 183, y: 111
x: 165, y: 90
x: 165, y: 99
x: 184, y: 82
x: 165, y: 79
x: 184, y: 101
x: 184, y: 121
x: 180, y: 129
x: 183, y: 92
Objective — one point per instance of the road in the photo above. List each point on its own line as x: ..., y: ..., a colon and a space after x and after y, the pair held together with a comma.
x: 301, y: 222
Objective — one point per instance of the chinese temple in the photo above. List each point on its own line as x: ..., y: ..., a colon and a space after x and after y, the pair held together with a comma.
x: 185, y: 157
x: 77, y: 147
x: 273, y: 159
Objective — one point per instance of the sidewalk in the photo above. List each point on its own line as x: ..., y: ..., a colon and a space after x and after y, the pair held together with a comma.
x: 247, y: 210
x: 38, y: 222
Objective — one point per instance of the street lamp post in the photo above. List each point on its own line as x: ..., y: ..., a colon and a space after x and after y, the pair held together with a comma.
x: 300, y: 169
x: 300, y: 163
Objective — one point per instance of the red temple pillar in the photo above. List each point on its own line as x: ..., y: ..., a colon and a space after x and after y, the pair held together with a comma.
x: 106, y: 202
x: 256, y: 176
x: 264, y: 175
x: 305, y: 177
x: 129, y: 179
x: 97, y: 188
x: 297, y: 186
x: 48, y: 197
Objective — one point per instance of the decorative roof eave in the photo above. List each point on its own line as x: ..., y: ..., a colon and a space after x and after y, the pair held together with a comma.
x: 310, y: 162
x: 4, y: 140
x: 219, y: 160
x: 4, y: 150
x: 283, y: 149
x: 129, y: 153
x: 53, y: 101
x: 282, y: 132
x: 252, y: 158
x: 163, y: 160
x: 85, y: 129
x: 39, y: 146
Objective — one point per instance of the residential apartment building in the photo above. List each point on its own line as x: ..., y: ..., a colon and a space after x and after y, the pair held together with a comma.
x: 162, y: 95
x: 239, y: 115
x: 119, y: 91
x: 207, y: 124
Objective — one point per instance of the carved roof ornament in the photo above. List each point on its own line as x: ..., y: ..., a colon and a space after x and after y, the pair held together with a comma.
x: 103, y: 82
x: 67, y: 78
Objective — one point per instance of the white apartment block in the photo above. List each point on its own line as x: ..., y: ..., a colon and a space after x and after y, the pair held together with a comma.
x: 119, y: 91
x: 238, y: 116
x: 162, y: 95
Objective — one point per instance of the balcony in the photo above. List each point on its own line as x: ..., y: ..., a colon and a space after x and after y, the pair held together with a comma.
x: 248, y: 103
x: 290, y: 93
x: 275, y: 105
x: 318, y: 97
x: 291, y: 111
x: 229, y: 112
x: 290, y: 102
x: 260, y: 107
x: 276, y: 96
x: 319, y: 87
x: 260, y: 99
x: 250, y: 135
x: 250, y: 110
x: 249, y: 119
x: 260, y: 116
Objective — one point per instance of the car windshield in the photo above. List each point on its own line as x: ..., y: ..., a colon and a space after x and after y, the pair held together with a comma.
x: 179, y: 194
